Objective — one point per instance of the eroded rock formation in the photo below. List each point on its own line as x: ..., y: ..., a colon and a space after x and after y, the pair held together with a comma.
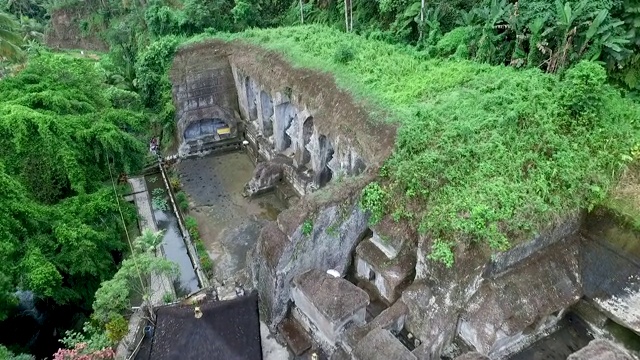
x: 303, y: 131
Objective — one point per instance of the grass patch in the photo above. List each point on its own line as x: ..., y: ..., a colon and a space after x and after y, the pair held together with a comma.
x: 183, y: 201
x: 484, y: 154
x: 205, y: 261
x: 307, y: 227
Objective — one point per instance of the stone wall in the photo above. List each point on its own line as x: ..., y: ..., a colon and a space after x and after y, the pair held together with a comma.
x: 337, y: 228
x: 204, y: 95
x: 495, y: 304
x: 280, y: 126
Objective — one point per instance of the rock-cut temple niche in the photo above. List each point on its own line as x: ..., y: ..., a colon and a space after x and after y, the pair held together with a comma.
x: 267, y: 112
x: 326, y: 154
x: 207, y: 130
x: 307, y: 131
x: 252, y: 103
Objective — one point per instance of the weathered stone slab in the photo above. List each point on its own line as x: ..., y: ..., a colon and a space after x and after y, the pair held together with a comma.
x: 507, y: 305
x: 472, y: 356
x: 611, y: 272
x: 380, y: 344
x: 600, y: 349
x: 295, y: 336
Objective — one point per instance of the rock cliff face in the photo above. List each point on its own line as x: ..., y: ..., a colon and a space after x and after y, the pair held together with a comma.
x: 305, y: 132
x: 65, y: 32
x: 337, y: 228
x: 206, y: 103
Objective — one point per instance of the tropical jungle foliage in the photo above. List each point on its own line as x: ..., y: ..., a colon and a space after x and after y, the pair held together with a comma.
x: 511, y: 114
x: 61, y: 139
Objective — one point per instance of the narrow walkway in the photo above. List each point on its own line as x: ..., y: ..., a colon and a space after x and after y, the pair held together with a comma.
x: 160, y: 285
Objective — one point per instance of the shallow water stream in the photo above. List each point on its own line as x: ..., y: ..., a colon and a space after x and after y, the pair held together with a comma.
x: 172, y: 242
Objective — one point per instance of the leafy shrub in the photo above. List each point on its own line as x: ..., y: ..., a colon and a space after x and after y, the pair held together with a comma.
x: 373, y: 200
x: 152, y: 79
x: 183, y: 201
x: 307, y: 227
x: 167, y: 298
x: 191, y: 224
x: 582, y: 93
x: 175, y: 183
x: 159, y: 203
x: 123, y: 99
x: 451, y: 41
x: 441, y: 251
x: 344, y: 54
x: 117, y: 328
x: 5, y: 354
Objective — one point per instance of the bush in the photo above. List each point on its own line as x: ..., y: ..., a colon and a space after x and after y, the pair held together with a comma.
x: 183, y: 201
x: 582, y: 93
x: 307, y: 227
x: 175, y: 183
x: 344, y: 54
x: 123, y: 99
x: 117, y: 328
x: 192, y: 225
x: 450, y: 42
x: 373, y: 200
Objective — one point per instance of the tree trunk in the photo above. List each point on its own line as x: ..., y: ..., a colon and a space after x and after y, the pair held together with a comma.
x: 346, y: 16
x: 301, y: 13
x: 350, y: 15
x: 421, y: 27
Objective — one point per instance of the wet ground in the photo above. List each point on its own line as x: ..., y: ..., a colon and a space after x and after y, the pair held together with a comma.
x: 172, y: 242
x: 229, y: 223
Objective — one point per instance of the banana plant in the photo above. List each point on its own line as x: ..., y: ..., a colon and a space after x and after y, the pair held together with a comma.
x: 538, y: 43
x: 567, y: 26
x: 492, y: 19
x: 10, y: 39
x: 603, y: 35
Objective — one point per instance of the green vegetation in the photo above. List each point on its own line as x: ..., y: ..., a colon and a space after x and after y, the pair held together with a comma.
x: 113, y: 298
x: 484, y: 154
x: 183, y: 201
x: 205, y: 261
x: 63, y: 143
x: 168, y: 298
x: 510, y: 115
x: 307, y: 227
x: 5, y: 354
x: 10, y: 39
x: 59, y: 136
x: 159, y: 200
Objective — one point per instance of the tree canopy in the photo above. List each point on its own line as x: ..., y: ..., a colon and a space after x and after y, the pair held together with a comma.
x: 61, y: 136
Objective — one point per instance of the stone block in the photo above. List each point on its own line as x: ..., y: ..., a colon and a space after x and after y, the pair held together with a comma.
x: 389, y: 275
x: 600, y: 349
x: 329, y: 303
x: 380, y: 344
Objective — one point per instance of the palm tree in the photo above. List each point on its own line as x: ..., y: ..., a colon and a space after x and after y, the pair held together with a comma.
x: 10, y: 38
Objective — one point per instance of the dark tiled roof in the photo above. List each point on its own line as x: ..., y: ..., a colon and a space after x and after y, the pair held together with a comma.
x: 227, y: 330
